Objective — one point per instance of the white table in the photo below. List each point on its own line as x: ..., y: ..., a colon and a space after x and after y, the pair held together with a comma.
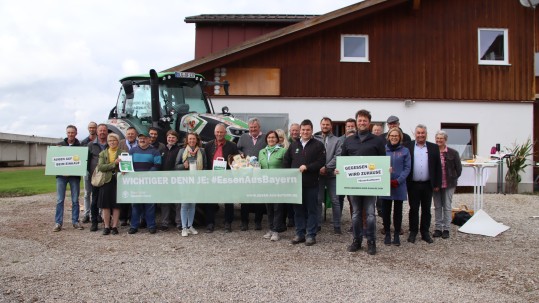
x: 479, y: 183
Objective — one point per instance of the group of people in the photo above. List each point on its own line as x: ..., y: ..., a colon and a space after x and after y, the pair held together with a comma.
x: 420, y: 172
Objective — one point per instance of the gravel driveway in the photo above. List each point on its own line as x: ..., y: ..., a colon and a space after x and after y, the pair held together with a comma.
x: 37, y: 265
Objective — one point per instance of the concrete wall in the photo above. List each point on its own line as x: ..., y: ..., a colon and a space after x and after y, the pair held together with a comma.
x: 32, y: 150
x: 504, y: 123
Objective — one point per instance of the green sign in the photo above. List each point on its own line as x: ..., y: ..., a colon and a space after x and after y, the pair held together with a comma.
x: 363, y: 176
x: 246, y: 185
x: 66, y: 160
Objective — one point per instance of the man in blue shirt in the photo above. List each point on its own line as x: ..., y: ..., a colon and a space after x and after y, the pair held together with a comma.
x: 145, y: 158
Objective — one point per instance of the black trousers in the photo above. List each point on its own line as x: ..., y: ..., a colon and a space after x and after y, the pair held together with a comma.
x: 419, y: 196
x: 275, y: 217
x: 94, y: 210
x: 258, y: 209
x: 397, y: 214
x: 211, y: 208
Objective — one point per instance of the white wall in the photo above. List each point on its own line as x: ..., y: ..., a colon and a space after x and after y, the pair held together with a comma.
x: 504, y: 123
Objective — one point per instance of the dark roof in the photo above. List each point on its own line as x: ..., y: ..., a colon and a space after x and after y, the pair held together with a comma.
x: 248, y: 18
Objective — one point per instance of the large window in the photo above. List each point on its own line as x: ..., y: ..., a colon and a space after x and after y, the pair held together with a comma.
x: 462, y: 138
x: 354, y: 48
x: 493, y: 46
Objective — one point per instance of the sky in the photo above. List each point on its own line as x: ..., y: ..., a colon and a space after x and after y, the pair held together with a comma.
x: 60, y: 61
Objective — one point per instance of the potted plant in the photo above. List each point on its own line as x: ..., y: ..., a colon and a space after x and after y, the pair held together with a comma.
x: 516, y: 164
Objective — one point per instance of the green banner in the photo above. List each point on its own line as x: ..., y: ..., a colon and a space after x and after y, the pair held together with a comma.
x: 211, y: 186
x: 363, y: 176
x: 66, y: 160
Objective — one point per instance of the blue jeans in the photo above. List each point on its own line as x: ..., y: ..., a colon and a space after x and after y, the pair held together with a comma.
x: 362, y: 204
x: 331, y: 184
x: 148, y: 210
x: 306, y: 214
x: 187, y: 214
x: 61, y: 186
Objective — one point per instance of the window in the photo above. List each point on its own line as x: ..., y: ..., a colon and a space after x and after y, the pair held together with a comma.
x: 354, y: 48
x: 536, y: 64
x: 493, y: 46
x: 461, y: 137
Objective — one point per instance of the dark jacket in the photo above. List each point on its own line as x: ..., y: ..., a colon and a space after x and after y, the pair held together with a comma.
x: 370, y: 146
x: 453, y: 167
x: 246, y: 146
x: 313, y: 156
x: 169, y: 157
x: 229, y: 149
x: 94, y: 149
x: 435, y: 165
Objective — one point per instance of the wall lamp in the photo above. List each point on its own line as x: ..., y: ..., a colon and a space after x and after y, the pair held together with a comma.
x: 409, y: 102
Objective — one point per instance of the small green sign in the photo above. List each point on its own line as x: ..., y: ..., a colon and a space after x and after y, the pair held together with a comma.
x: 363, y: 176
x: 246, y: 185
x: 66, y: 160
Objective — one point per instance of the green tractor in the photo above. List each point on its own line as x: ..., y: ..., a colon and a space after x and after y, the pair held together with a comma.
x: 171, y: 100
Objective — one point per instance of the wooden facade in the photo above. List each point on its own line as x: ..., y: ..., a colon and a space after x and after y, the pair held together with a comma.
x: 418, y: 50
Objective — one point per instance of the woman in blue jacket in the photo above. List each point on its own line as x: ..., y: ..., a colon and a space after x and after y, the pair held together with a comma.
x: 271, y: 157
x: 400, y: 168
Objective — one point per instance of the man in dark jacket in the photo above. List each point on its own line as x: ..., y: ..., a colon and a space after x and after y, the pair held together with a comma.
x: 393, y: 122
x: 74, y: 185
x: 425, y: 177
x: 94, y: 148
x: 309, y: 155
x: 219, y: 148
x: 364, y: 143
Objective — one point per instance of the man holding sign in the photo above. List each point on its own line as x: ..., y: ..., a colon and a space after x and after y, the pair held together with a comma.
x: 364, y: 143
x: 74, y: 185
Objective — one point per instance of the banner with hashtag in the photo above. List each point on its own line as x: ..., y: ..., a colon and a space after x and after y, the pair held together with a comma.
x: 249, y: 185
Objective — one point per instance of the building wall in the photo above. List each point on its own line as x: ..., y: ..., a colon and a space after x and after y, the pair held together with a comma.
x: 32, y: 150
x: 430, y: 53
x: 504, y: 123
x: 215, y: 37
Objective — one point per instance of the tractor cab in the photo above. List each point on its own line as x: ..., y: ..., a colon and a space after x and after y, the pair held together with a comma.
x: 172, y: 100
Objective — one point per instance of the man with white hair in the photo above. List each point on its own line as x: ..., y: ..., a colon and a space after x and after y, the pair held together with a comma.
x: 424, y: 179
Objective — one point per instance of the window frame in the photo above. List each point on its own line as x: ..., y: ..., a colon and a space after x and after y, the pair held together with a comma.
x: 505, y: 60
x: 355, y: 59
x: 462, y: 126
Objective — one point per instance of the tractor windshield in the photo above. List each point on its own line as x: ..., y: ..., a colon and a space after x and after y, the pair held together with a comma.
x: 173, y: 99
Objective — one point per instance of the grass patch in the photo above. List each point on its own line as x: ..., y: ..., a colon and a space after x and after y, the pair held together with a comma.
x: 26, y: 182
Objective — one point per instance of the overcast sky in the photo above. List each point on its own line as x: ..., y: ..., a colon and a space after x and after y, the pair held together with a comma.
x: 61, y: 60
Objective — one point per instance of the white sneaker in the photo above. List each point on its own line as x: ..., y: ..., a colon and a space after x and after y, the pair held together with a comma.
x: 192, y: 230
x: 275, y: 236
x: 185, y: 233
x: 267, y: 235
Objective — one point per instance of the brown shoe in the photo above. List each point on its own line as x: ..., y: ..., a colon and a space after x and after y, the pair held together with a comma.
x: 297, y: 240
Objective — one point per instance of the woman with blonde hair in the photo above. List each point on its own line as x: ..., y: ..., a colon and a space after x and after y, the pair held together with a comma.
x: 109, y: 164
x: 401, y: 165
x: 191, y: 154
x: 283, y: 141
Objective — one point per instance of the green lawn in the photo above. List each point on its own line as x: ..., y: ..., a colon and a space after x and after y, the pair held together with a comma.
x: 26, y: 182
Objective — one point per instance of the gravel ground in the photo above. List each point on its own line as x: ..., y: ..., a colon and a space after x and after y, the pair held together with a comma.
x: 37, y: 265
